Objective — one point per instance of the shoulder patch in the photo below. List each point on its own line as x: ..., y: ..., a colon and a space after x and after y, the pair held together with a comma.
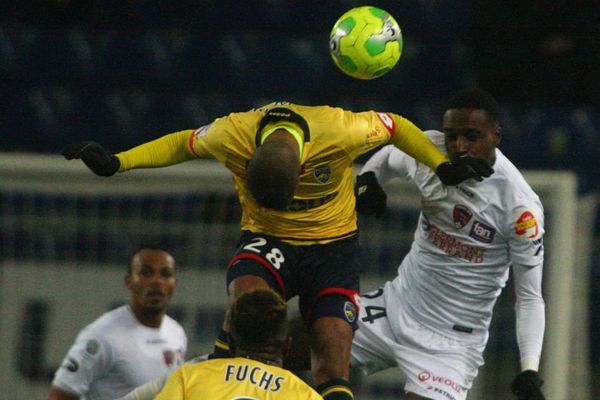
x: 387, y: 121
x: 202, y: 130
x: 526, y: 225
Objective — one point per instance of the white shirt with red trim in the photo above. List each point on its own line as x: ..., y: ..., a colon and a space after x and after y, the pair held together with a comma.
x: 115, y: 354
x: 467, y: 238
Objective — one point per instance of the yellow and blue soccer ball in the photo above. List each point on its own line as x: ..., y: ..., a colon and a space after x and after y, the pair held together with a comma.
x: 366, y: 42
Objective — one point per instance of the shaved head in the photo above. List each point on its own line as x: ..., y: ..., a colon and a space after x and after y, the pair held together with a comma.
x: 273, y: 172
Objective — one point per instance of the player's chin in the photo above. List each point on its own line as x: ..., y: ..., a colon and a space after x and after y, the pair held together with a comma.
x: 156, y: 304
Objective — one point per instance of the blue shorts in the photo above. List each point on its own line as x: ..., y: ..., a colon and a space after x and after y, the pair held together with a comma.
x: 324, y: 276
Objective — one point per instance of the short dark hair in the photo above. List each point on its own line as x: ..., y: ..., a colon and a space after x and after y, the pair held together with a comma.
x: 155, y: 244
x: 478, y: 99
x: 258, y: 320
x: 272, y: 176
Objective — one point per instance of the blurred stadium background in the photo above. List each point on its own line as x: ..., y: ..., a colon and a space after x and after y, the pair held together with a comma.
x: 123, y: 72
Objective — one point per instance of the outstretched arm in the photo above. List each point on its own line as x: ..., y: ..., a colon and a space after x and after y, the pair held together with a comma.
x: 530, y: 314
x: 167, y: 150
x: 416, y: 144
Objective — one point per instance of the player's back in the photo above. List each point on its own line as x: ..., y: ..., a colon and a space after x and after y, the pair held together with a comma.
x: 232, y: 378
x: 323, y: 206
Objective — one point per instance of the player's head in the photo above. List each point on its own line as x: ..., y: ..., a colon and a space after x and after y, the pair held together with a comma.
x: 258, y: 323
x: 273, y: 172
x: 151, y: 279
x: 471, y: 125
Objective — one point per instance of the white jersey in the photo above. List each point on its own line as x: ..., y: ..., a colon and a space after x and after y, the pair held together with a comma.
x: 468, y: 236
x: 115, y: 354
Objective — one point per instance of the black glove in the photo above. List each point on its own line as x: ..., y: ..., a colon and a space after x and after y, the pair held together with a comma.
x: 370, y: 197
x: 526, y: 386
x: 96, y: 157
x: 466, y: 167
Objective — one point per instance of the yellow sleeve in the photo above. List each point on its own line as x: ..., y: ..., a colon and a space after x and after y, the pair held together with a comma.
x: 173, y: 388
x: 415, y: 143
x: 167, y: 150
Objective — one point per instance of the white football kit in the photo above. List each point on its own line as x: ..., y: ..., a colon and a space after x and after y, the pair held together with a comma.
x: 432, y: 320
x: 116, y: 353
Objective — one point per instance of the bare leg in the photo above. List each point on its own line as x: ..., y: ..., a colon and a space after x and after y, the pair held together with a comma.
x: 331, y: 338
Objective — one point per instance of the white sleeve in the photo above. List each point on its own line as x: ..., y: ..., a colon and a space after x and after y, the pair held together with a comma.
x: 88, y: 358
x: 526, y: 233
x: 388, y: 163
x: 147, y: 391
x: 530, y: 314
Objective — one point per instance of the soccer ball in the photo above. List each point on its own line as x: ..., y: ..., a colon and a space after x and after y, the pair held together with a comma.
x: 365, y: 42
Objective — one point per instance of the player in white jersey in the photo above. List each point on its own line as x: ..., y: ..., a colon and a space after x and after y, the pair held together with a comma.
x: 129, y: 345
x: 432, y: 320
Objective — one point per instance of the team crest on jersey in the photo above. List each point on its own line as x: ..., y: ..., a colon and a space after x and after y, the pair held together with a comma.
x: 169, y: 357
x: 482, y: 232
x: 323, y: 173
x: 461, y: 215
x: 350, y: 311
x: 527, y: 226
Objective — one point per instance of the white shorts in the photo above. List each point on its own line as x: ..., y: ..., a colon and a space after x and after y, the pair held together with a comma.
x: 435, y: 366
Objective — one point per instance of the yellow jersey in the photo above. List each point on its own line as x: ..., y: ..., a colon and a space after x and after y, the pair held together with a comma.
x: 235, y: 378
x: 323, y: 207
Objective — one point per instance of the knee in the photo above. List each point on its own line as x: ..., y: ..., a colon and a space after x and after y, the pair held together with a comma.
x: 331, y: 335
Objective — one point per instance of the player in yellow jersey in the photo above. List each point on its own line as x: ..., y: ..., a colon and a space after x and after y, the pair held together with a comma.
x: 292, y: 167
x: 258, y: 335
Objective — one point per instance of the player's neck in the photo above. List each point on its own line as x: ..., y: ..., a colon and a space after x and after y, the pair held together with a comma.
x: 151, y: 318
x: 267, y: 358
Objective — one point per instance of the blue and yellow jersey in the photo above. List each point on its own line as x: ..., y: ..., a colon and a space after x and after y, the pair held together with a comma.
x: 323, y: 207
x: 235, y: 378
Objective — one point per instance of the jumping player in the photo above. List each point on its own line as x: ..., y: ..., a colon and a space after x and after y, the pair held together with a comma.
x: 432, y: 320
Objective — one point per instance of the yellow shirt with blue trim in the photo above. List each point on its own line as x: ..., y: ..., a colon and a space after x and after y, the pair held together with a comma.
x: 235, y: 378
x: 323, y: 207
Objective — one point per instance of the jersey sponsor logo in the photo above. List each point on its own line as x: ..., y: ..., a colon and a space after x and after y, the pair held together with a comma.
x: 482, y: 232
x: 92, y: 347
x: 441, y: 391
x: 322, y: 173
x: 307, y: 204
x: 461, y: 215
x: 350, y: 311
x: 156, y: 341
x: 527, y: 226
x: 451, y: 245
x: 436, y: 379
x: 387, y: 121
x: 254, y: 375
